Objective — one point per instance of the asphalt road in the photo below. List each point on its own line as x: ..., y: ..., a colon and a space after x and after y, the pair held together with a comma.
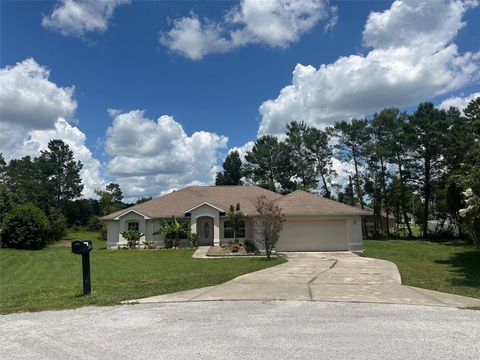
x: 244, y: 330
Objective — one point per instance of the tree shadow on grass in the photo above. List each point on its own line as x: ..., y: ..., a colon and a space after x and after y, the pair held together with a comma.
x: 467, y: 265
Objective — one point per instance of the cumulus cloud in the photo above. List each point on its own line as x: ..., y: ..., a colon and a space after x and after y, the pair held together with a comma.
x: 35, y: 110
x: 78, y: 17
x: 242, y: 150
x: 30, y: 99
x: 194, y: 39
x: 411, y: 61
x: 152, y: 156
x: 274, y: 23
x: 458, y: 101
x: 416, y: 23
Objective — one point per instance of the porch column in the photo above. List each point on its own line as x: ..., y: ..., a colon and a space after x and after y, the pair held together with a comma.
x: 216, y: 230
x: 193, y: 225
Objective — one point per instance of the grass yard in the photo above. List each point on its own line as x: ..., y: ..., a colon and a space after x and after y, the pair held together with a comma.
x: 437, y: 266
x: 52, y: 278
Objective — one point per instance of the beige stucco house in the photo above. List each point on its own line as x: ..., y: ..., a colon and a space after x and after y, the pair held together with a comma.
x: 313, y: 223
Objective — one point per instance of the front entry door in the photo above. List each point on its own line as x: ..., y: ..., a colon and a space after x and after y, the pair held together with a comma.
x: 206, y: 232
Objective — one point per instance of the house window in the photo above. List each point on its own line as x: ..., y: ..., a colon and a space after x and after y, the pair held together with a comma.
x: 133, y: 226
x: 241, y: 229
x: 228, y: 229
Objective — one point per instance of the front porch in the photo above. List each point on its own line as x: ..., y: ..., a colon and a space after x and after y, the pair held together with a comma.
x: 213, y: 226
x: 205, y: 221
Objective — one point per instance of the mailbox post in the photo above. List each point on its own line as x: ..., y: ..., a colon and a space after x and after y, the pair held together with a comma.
x: 83, y: 247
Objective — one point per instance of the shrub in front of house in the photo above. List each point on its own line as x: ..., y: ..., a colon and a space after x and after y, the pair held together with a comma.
x: 250, y: 247
x: 133, y: 237
x: 149, y: 244
x: 25, y: 227
x: 103, y: 233
x: 194, y: 239
x: 94, y: 224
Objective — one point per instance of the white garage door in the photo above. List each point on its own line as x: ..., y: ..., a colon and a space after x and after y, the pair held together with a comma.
x: 310, y: 235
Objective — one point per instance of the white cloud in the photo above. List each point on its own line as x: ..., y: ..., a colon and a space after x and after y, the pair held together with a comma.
x: 151, y: 157
x: 78, y: 17
x: 274, y: 23
x: 333, y: 19
x: 28, y: 98
x: 416, y: 23
x: 33, y: 111
x: 190, y: 38
x: 401, y: 70
x: 343, y: 170
x: 113, y: 112
x: 242, y: 150
x: 458, y: 101
x: 30, y: 101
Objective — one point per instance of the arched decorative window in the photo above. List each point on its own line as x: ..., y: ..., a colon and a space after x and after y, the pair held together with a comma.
x: 133, y: 226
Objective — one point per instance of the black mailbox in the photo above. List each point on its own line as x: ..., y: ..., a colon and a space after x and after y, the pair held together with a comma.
x: 83, y: 247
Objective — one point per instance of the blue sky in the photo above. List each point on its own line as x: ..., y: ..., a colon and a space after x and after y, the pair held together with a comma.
x: 142, y: 57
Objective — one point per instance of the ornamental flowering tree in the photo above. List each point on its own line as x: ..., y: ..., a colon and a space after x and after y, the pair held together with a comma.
x: 269, y: 223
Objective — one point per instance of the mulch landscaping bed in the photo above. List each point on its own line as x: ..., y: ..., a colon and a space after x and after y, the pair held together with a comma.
x: 227, y: 251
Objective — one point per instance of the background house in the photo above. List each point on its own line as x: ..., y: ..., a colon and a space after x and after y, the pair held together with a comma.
x: 377, y: 224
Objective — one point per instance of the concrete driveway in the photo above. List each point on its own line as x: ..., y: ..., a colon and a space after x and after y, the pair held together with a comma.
x: 329, y: 276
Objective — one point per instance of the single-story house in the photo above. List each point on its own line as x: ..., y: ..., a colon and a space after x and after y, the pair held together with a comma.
x: 313, y: 223
x: 375, y: 224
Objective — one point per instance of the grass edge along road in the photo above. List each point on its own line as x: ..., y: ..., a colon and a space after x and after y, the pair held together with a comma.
x: 443, y: 267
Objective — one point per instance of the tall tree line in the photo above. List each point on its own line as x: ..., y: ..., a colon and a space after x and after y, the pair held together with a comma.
x: 401, y: 164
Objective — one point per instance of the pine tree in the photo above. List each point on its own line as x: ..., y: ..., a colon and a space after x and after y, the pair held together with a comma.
x: 61, y: 171
x: 232, y: 170
x: 301, y: 157
x: 263, y: 162
x: 322, y: 153
x: 429, y: 129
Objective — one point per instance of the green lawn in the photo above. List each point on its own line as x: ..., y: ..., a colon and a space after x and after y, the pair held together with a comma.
x: 52, y: 278
x: 437, y: 266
